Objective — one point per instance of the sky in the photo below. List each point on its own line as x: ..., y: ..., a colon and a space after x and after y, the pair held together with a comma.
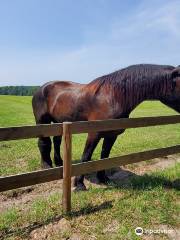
x: 79, y: 40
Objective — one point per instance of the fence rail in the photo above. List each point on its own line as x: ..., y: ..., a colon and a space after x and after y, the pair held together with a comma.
x: 68, y: 170
x: 16, y: 133
x: 56, y: 129
x: 123, y: 123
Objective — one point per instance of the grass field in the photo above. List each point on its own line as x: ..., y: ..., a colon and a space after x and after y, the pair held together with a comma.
x: 110, y: 212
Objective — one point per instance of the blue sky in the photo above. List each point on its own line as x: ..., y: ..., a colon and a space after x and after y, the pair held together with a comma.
x: 79, y: 40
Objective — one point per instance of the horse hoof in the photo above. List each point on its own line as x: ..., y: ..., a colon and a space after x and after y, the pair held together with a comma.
x: 46, y: 166
x: 79, y: 188
x: 59, y: 165
x: 58, y: 162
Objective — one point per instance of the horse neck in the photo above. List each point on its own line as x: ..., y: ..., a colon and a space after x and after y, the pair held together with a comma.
x: 156, y: 88
x: 149, y: 89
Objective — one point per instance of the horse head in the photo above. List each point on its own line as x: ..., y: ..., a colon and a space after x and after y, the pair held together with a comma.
x: 176, y: 79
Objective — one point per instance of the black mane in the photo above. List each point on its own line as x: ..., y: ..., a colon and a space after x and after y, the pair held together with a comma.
x: 137, y: 72
x: 150, y: 79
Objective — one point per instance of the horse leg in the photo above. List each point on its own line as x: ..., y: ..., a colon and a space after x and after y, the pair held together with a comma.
x: 57, y: 156
x: 106, y: 148
x: 91, y: 144
x: 44, y: 144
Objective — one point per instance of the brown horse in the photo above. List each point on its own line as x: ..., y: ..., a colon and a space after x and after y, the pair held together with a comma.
x: 109, y: 97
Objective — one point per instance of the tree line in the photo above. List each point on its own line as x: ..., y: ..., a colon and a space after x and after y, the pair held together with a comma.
x: 18, y: 90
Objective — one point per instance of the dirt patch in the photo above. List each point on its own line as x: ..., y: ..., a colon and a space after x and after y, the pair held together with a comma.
x: 141, y: 168
x: 162, y: 232
x: 24, y: 196
x: 63, y: 230
x: 60, y: 229
x: 111, y: 228
x: 172, y: 233
x: 156, y: 164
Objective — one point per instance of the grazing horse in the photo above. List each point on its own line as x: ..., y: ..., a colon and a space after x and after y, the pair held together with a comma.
x: 112, y: 96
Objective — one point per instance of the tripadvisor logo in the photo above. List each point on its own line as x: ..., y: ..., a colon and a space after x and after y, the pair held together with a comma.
x: 138, y: 231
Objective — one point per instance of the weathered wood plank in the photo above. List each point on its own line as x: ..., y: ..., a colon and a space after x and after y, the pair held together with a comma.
x: 45, y: 130
x: 123, y: 123
x: 41, y: 130
x: 27, y: 179
x: 32, y: 178
x: 67, y: 157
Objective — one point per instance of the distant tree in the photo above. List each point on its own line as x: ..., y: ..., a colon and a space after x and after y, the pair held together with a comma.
x: 18, y: 90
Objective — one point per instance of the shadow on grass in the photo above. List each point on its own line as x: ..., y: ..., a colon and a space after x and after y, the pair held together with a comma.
x: 90, y: 209
x: 124, y: 179
x: 147, y: 182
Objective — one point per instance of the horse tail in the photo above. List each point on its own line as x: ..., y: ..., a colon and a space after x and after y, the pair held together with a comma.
x: 40, y: 109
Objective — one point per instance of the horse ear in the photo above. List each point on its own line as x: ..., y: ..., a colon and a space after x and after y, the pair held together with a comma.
x: 176, y: 72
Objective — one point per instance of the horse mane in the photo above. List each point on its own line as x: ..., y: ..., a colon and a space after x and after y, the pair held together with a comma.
x: 148, y: 76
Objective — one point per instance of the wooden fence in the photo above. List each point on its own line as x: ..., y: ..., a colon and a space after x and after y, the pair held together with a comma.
x: 68, y: 170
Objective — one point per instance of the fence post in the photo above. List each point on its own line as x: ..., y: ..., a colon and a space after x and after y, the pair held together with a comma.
x: 67, y: 157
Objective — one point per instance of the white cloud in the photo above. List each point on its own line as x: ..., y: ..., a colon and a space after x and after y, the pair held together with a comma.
x: 164, y: 18
x: 150, y: 16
